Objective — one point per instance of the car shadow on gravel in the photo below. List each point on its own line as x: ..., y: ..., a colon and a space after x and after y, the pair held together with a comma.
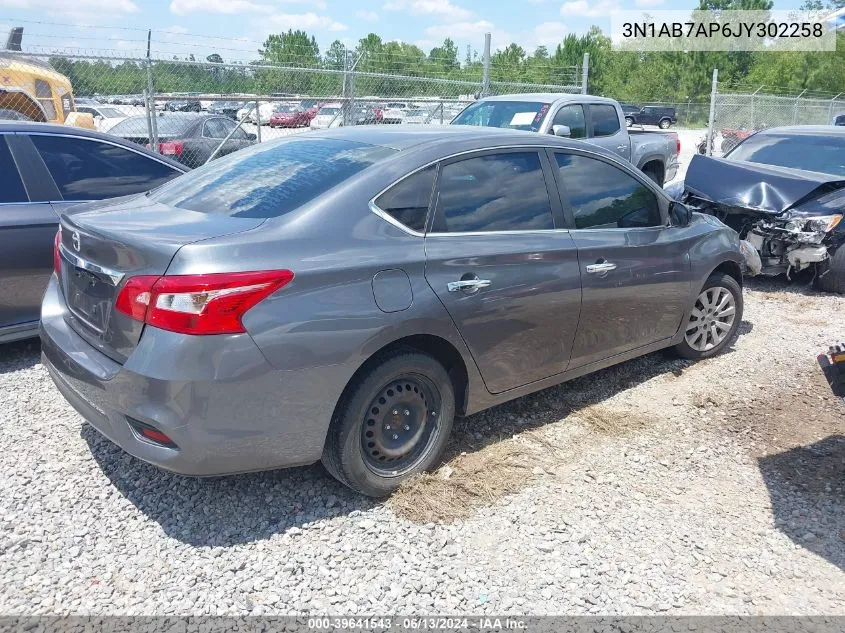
x: 224, y: 511
x: 807, y: 490
x: 19, y: 355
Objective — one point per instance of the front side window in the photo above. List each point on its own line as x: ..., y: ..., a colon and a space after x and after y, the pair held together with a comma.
x: 495, y: 192
x: 12, y: 189
x: 90, y: 170
x: 214, y: 128
x: 605, y: 120
x: 407, y: 201
x: 572, y: 116
x: 603, y: 196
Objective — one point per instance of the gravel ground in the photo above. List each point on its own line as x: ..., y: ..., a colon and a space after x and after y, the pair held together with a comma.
x: 658, y: 486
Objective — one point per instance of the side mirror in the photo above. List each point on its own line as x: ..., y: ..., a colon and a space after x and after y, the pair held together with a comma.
x: 561, y: 130
x: 251, y: 136
x: 679, y: 214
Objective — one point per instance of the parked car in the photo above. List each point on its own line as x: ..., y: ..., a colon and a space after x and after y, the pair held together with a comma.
x: 290, y: 115
x: 652, y: 115
x: 330, y: 115
x: 188, y: 138
x: 597, y: 120
x: 182, y: 105
x: 394, y: 112
x: 417, y: 116
x: 226, y: 108
x: 366, y: 115
x: 325, y: 307
x: 838, y: 119
x: 265, y: 111
x: 46, y: 169
x: 245, y: 110
x: 105, y: 117
x: 783, y: 190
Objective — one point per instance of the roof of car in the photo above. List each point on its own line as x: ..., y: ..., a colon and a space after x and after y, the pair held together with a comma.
x: 809, y: 130
x: 550, y: 97
x: 402, y: 137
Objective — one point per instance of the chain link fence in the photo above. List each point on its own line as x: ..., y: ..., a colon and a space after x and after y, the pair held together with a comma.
x: 740, y: 111
x: 195, y: 111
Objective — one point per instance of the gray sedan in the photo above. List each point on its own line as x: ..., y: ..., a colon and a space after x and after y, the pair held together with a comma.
x: 343, y: 295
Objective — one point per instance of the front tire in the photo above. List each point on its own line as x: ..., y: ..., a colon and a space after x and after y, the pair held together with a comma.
x: 393, y: 423
x: 714, y: 321
x: 834, y: 279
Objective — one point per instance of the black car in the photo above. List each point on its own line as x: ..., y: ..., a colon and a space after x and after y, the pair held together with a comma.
x: 188, y: 138
x: 226, y: 108
x: 45, y: 169
x: 629, y: 108
x: 660, y: 116
x: 183, y: 105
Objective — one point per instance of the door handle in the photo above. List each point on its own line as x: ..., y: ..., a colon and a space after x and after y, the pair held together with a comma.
x: 467, y: 284
x: 599, y: 268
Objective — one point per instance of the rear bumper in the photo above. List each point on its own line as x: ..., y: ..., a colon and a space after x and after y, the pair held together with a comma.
x: 226, y: 409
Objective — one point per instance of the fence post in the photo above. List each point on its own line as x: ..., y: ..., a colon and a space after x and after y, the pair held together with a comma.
x: 795, y: 106
x: 485, y: 79
x: 830, y: 108
x: 585, y: 71
x: 258, y: 119
x: 753, y: 121
x: 153, y: 123
x: 712, y: 118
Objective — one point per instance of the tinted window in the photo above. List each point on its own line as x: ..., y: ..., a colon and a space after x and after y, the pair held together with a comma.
x: 825, y: 154
x: 270, y: 179
x: 573, y: 116
x: 90, y: 170
x: 214, y: 128
x: 12, y: 189
x: 517, y: 115
x: 174, y: 123
x: 604, y: 196
x: 407, y: 201
x: 497, y: 192
x: 605, y: 120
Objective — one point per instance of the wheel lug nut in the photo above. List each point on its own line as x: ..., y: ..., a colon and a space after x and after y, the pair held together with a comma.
x: 386, y: 427
x: 395, y: 412
x: 407, y: 412
x: 395, y: 437
x: 407, y: 428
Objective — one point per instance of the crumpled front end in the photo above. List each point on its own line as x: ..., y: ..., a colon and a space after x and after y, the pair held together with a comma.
x: 792, y: 218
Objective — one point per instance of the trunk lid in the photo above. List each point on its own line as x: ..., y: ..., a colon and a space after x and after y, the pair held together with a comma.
x: 754, y: 186
x: 105, y: 243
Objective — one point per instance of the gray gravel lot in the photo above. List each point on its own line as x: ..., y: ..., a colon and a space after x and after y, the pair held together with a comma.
x: 658, y: 486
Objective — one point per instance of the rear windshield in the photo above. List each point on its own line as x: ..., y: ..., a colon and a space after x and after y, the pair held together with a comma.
x: 167, y: 124
x: 270, y: 179
x: 825, y: 154
x: 516, y: 115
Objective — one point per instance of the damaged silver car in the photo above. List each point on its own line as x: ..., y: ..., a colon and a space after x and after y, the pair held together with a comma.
x: 783, y: 191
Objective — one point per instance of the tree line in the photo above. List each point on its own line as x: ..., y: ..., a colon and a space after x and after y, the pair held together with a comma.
x: 674, y: 76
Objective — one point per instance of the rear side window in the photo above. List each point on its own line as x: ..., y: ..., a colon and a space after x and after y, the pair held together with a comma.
x: 270, y: 179
x: 407, y: 201
x: 496, y: 192
x: 90, y: 170
x: 45, y: 97
x: 12, y: 189
x: 605, y: 197
x: 605, y: 120
x: 573, y: 116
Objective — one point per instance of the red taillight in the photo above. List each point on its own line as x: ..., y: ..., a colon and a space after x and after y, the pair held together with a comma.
x: 57, y: 256
x: 198, y: 304
x: 171, y: 148
x: 677, y: 143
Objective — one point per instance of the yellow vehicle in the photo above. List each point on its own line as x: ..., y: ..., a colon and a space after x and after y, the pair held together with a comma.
x: 31, y: 87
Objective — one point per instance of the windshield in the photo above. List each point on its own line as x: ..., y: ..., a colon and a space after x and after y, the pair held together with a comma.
x: 825, y: 154
x: 110, y: 113
x: 328, y: 111
x: 516, y: 115
x: 285, y: 109
x: 270, y: 179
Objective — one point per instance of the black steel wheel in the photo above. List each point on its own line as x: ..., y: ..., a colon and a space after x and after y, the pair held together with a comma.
x: 392, y: 422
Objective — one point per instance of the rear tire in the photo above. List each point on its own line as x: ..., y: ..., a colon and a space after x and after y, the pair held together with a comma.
x: 387, y: 429
x: 714, y: 322
x: 629, y: 121
x: 834, y: 279
x: 664, y: 124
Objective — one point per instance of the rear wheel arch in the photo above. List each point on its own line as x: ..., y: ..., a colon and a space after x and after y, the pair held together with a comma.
x: 654, y: 169
x: 435, y: 346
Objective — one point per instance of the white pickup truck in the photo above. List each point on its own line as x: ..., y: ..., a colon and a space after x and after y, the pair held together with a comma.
x: 596, y: 120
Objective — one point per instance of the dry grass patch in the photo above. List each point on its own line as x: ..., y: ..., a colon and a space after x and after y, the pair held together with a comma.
x: 482, y: 477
